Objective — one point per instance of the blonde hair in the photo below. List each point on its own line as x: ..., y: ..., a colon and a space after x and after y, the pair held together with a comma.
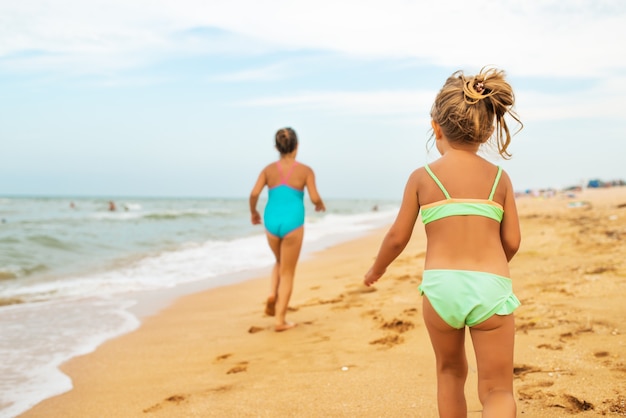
x: 466, y: 107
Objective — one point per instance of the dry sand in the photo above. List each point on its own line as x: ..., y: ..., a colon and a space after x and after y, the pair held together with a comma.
x: 364, y: 352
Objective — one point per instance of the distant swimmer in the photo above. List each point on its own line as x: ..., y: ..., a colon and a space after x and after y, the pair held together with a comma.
x: 112, y: 207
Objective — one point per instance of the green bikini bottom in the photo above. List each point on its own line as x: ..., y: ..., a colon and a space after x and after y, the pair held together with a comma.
x: 463, y: 297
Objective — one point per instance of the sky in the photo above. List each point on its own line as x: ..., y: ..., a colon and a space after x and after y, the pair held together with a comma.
x: 182, y: 98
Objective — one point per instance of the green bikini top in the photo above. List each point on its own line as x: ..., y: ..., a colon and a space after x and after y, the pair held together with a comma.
x: 461, y: 207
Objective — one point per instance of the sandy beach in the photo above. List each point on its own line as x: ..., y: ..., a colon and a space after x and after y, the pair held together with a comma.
x: 364, y: 352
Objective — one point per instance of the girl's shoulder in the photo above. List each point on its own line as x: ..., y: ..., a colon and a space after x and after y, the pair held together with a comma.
x: 420, y: 172
x: 417, y: 178
x: 303, y: 167
x: 268, y: 169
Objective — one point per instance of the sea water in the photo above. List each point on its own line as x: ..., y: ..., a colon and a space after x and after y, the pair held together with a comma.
x: 74, y: 273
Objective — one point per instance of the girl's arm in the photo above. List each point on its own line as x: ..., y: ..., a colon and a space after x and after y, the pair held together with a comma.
x: 399, y: 234
x: 254, y: 198
x: 510, y: 233
x: 313, y: 194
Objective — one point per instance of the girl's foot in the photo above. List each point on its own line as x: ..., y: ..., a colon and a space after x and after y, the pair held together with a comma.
x: 285, y: 326
x: 270, y: 305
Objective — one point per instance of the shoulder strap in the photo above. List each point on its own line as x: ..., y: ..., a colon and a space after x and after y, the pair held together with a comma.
x: 495, y: 183
x: 443, y: 189
x: 283, y: 179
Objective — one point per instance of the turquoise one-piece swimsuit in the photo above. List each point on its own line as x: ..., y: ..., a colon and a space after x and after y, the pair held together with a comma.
x: 284, y: 211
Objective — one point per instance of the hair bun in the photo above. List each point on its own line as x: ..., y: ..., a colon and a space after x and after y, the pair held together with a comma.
x: 466, y: 108
x: 474, y: 90
x: 286, y: 140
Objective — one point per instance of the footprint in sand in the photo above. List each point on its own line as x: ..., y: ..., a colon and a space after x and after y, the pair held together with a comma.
x: 609, y: 363
x: 523, y: 369
x: 318, y: 301
x: 410, y: 311
x: 405, y: 277
x: 174, y: 399
x: 600, y: 270
x: 398, y: 325
x: 619, y: 367
x: 389, y: 340
x: 241, y: 367
x: 617, y: 406
x: 362, y: 289
x: 551, y: 347
x: 222, y: 388
x: 577, y: 405
x: 535, y: 391
x: 254, y: 330
x: 222, y: 357
x: 372, y: 313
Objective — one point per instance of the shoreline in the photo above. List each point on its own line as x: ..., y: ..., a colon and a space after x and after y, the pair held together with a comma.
x: 82, y: 311
x: 360, y: 351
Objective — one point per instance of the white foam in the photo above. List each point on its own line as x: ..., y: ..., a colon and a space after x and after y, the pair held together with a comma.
x: 38, y: 338
x: 194, y: 262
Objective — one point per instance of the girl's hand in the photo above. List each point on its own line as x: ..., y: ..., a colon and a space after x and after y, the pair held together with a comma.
x: 256, y: 218
x: 371, y: 277
x: 319, y: 207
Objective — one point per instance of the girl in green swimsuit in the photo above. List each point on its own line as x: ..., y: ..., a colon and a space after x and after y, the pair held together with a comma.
x: 468, y: 208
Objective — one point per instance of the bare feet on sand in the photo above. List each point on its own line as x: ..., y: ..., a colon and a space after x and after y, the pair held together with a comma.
x: 270, y: 305
x: 285, y: 326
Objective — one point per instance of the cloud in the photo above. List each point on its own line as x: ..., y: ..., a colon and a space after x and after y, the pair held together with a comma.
x: 268, y: 73
x: 381, y: 103
x: 547, y: 37
x: 597, y: 101
x: 603, y: 100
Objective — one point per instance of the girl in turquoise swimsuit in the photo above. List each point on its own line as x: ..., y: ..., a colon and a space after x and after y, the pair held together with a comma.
x: 284, y: 219
x: 468, y: 208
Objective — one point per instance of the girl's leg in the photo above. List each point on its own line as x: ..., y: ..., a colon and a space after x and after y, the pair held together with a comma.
x: 270, y: 304
x: 449, y: 346
x: 274, y: 243
x: 493, y: 343
x: 290, y: 247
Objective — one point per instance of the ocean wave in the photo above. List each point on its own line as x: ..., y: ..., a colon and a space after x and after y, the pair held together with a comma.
x: 10, y: 301
x: 188, y: 263
x: 161, y: 215
x: 9, y: 240
x: 6, y: 275
x: 116, y: 216
x: 50, y: 242
x: 176, y: 215
x: 12, y: 271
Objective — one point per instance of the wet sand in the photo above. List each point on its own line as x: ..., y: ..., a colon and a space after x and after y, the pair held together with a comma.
x: 364, y: 352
